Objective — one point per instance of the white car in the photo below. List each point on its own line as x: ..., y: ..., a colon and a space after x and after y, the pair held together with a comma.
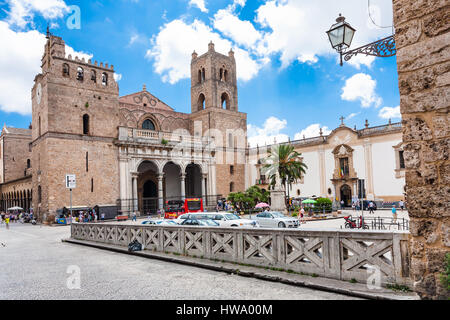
x: 274, y: 219
x: 160, y: 222
x: 224, y: 219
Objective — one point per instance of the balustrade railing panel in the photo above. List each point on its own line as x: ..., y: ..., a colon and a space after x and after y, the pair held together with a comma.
x: 343, y: 255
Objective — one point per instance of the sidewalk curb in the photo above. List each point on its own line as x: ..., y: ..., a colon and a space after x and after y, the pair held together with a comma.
x: 274, y: 276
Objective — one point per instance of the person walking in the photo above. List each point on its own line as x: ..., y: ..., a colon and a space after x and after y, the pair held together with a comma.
x: 371, y: 206
x: 301, y: 215
x: 401, y: 204
x: 7, y: 217
x: 394, y: 214
x: 133, y: 215
x: 103, y: 217
x: 353, y: 206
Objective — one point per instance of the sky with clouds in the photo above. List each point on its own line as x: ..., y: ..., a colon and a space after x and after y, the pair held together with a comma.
x: 289, y: 80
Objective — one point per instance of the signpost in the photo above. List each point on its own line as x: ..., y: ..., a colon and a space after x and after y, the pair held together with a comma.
x: 361, y: 195
x: 71, y: 183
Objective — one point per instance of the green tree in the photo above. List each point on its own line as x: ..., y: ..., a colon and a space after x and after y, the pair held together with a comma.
x: 284, y: 159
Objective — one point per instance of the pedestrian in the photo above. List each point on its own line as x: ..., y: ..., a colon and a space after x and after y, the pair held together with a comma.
x: 7, y: 217
x: 371, y: 207
x: 301, y: 215
x: 133, y: 216
x: 394, y: 214
x: 102, y: 217
x: 342, y: 204
x: 353, y: 206
x: 401, y: 204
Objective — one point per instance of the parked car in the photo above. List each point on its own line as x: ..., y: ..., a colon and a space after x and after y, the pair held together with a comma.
x: 224, y: 219
x: 160, y: 222
x: 200, y: 222
x: 274, y: 219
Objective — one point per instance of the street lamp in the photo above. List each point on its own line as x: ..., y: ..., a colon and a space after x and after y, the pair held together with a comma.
x: 341, y: 35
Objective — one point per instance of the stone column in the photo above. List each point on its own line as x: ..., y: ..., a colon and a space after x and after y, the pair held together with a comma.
x: 134, y: 178
x: 160, y: 191
x: 183, y: 186
x: 204, y: 176
x: 422, y: 38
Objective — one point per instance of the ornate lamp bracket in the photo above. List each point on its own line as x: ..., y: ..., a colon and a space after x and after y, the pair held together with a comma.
x: 381, y: 48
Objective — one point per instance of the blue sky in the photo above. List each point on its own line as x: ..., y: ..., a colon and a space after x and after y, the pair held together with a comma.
x: 289, y: 80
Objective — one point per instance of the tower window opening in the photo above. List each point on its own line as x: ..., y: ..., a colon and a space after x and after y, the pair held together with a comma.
x: 80, y: 74
x: 221, y: 74
x: 65, y: 70
x: 201, y: 102
x: 104, y: 79
x: 203, y: 75
x: 225, y: 76
x: 86, y: 124
x: 225, y: 101
x: 94, y: 76
x: 199, y: 76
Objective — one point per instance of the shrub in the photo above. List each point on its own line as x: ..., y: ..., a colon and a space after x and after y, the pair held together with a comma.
x: 164, y: 142
x: 445, y: 277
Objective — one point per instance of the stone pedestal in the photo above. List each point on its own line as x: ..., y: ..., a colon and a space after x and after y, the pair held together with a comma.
x: 277, y: 200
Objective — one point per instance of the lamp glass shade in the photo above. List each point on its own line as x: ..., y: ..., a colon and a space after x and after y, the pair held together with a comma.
x: 349, y: 32
x: 341, y: 34
x: 336, y: 35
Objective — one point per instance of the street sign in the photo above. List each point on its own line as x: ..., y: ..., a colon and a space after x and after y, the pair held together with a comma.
x: 71, y: 182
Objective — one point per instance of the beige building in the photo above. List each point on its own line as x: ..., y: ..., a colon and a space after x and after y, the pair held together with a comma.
x: 337, y: 161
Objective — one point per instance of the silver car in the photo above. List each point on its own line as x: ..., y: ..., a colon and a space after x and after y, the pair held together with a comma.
x: 274, y: 219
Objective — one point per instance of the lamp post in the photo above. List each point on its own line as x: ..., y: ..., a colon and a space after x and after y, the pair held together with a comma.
x: 341, y: 35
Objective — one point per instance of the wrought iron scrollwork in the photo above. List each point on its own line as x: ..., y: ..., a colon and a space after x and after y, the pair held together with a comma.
x: 382, y: 48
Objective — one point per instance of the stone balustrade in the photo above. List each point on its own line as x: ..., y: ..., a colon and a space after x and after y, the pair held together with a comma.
x: 343, y: 255
x: 150, y: 136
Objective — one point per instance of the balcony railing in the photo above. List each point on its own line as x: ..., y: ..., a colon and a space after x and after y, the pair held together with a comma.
x: 157, y: 137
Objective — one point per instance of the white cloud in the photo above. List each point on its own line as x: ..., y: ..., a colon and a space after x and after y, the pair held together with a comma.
x: 199, y: 4
x: 117, y: 77
x: 361, y: 87
x: 21, y: 12
x: 20, y: 62
x: 390, y: 113
x: 311, y: 131
x: 268, y: 134
x: 359, y: 60
x: 73, y: 53
x: 172, y: 53
x: 352, y: 115
x: 297, y: 28
x: 242, y: 32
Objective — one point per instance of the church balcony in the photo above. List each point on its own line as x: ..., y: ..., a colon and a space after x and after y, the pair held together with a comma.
x: 161, y: 138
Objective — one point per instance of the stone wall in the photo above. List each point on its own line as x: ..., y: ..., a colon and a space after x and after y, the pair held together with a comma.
x: 15, y: 154
x: 423, y: 58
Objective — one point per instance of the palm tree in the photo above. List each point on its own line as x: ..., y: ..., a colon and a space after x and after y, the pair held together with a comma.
x: 286, y: 161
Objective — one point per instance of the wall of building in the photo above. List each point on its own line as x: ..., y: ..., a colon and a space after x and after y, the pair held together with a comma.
x: 423, y: 59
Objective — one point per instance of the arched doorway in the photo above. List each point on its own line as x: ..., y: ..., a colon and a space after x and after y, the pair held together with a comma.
x: 193, y: 181
x: 346, y: 195
x: 172, y: 181
x: 147, y: 188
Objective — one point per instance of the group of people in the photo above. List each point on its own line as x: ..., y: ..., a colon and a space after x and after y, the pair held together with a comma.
x: 223, y: 205
x: 86, y: 216
x: 7, y: 218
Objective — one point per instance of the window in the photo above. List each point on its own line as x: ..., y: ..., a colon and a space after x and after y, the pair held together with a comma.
x: 65, y: 70
x: 231, y: 186
x: 225, y: 76
x: 148, y: 125
x: 94, y: 76
x: 344, y: 166
x: 86, y: 124
x: 201, y: 102
x: 39, y: 126
x: 104, y: 79
x: 402, y: 159
x: 28, y: 164
x: 231, y: 169
x: 225, y: 101
x: 199, y: 76
x: 92, y: 185
x: 87, y: 161
x: 203, y: 75
x: 80, y: 74
x: 221, y: 74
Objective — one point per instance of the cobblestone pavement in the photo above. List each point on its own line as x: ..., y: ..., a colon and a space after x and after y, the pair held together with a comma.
x: 34, y: 264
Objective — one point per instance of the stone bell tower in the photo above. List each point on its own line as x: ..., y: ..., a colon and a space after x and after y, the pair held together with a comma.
x: 214, y: 113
